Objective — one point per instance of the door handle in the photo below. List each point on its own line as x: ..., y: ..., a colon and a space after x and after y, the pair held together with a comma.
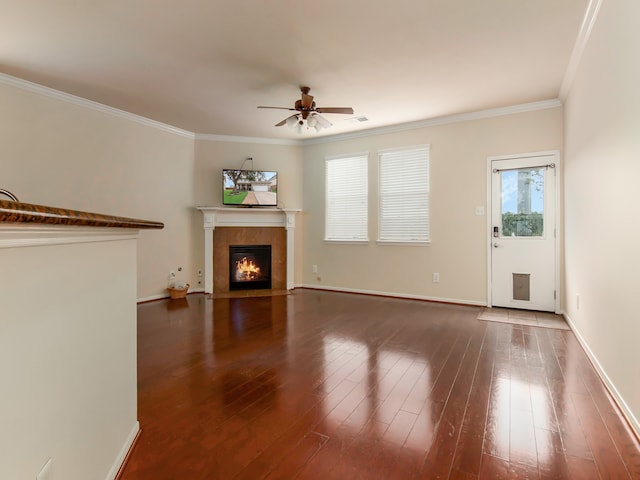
x: 495, y: 245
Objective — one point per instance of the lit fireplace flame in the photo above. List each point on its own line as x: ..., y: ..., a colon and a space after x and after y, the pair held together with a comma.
x: 246, y: 270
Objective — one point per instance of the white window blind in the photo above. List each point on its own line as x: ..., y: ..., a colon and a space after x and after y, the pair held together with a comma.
x: 347, y: 188
x: 404, y: 195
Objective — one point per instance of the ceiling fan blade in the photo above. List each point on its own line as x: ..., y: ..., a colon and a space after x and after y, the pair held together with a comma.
x: 347, y: 110
x: 279, y: 108
x: 324, y: 123
x: 307, y: 100
x: 284, y: 122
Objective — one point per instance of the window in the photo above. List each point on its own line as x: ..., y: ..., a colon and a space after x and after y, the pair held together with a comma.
x: 347, y: 189
x: 522, y: 202
x: 404, y: 195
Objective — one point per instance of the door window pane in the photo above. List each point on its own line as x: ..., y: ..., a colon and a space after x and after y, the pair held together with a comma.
x: 522, y: 202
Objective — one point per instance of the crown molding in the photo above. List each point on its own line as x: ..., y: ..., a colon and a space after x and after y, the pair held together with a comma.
x: 588, y: 22
x: 230, y: 138
x: 83, y: 102
x: 444, y: 120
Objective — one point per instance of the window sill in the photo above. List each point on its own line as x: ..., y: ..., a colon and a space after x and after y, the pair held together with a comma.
x: 346, y: 242
x: 404, y: 244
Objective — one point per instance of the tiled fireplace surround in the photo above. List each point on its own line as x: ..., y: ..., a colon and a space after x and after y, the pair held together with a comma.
x: 247, y: 226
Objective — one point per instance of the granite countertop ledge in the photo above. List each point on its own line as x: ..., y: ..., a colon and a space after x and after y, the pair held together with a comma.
x: 27, y: 213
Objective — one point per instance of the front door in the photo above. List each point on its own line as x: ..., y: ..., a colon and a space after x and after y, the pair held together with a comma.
x: 523, y: 248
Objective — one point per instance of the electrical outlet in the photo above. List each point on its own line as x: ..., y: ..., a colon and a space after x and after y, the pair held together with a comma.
x: 436, y: 277
x: 314, y: 269
x: 479, y: 210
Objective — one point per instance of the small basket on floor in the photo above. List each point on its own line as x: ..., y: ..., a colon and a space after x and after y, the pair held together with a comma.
x: 178, y: 292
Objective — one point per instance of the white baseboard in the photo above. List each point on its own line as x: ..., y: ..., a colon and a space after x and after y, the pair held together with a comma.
x: 408, y: 296
x: 160, y: 296
x: 624, y: 408
x: 152, y: 297
x: 123, y: 452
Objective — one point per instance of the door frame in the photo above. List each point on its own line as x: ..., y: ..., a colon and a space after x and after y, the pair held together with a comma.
x: 558, y: 223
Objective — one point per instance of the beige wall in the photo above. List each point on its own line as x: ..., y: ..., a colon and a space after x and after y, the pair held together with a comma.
x: 67, y: 352
x: 458, y: 155
x: 602, y: 168
x: 61, y: 154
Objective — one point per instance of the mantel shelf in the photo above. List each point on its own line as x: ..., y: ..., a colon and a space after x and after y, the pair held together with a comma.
x: 247, y: 209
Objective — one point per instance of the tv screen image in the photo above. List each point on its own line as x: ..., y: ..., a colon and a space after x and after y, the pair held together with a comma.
x: 249, y: 188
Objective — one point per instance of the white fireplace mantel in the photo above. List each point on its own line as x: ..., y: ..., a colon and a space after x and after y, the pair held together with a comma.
x: 246, y: 217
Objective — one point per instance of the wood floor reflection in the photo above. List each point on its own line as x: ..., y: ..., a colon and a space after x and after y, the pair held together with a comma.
x: 325, y: 385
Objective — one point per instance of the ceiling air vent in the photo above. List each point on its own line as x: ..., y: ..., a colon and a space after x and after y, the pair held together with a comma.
x: 357, y: 119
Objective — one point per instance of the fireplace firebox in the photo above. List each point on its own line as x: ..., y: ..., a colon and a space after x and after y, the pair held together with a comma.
x: 249, y: 267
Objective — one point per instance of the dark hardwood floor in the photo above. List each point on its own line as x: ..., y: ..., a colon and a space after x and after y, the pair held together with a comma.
x: 324, y: 385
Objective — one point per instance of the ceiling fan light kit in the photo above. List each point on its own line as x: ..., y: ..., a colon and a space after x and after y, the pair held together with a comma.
x: 308, y: 114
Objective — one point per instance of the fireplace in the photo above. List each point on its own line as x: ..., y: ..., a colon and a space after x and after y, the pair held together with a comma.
x: 249, y: 267
x: 248, y: 226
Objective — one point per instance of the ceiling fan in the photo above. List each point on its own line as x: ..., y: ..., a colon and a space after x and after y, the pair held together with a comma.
x: 308, y: 112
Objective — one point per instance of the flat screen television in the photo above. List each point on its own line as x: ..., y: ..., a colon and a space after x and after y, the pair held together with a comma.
x: 249, y: 188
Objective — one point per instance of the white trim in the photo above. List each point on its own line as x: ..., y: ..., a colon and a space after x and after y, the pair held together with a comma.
x: 524, y: 155
x: 557, y: 226
x: 364, y: 153
x: 151, y: 298
x: 624, y: 408
x: 447, y: 119
x: 488, y: 234
x: 83, y: 102
x: 122, y: 455
x: 408, y: 243
x: 383, y: 151
x: 407, y: 296
x: 161, y: 296
x: 444, y: 120
x: 558, y: 232
x: 210, y: 137
x: 588, y: 22
x: 345, y: 242
x: 400, y: 127
x: 28, y: 235
x: 247, y: 217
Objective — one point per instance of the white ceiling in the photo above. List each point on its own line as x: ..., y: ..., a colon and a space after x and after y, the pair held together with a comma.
x: 204, y: 65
